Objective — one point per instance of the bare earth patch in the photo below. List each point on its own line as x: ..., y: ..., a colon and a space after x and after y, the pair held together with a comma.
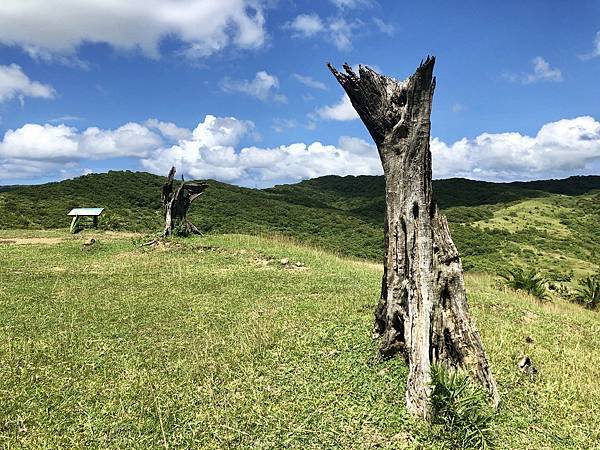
x: 120, y: 234
x: 53, y: 240
x: 33, y: 240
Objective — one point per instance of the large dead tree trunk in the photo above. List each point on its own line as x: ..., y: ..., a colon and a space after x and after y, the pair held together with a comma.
x: 176, y: 204
x: 422, y: 312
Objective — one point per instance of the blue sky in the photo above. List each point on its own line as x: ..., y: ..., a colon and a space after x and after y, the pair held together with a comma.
x: 238, y: 90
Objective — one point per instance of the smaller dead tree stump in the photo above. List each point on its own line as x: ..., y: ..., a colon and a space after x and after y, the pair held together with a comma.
x: 177, y: 202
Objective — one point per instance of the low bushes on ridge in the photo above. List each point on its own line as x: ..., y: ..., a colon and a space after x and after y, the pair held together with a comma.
x: 529, y: 281
x: 588, y: 292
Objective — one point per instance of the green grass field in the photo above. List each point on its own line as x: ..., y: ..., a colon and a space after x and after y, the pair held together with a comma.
x: 557, y: 234
x: 211, y: 342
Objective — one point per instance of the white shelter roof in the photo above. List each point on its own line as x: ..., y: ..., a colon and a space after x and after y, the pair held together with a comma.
x: 85, y: 212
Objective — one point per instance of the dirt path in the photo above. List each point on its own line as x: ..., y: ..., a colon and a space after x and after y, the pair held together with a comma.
x: 108, y: 235
x: 33, y: 240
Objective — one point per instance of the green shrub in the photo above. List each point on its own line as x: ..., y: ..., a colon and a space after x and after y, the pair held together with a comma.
x: 588, y: 292
x: 180, y: 229
x: 529, y: 281
x: 112, y: 221
x: 560, y: 289
x: 460, y: 408
x: 555, y: 275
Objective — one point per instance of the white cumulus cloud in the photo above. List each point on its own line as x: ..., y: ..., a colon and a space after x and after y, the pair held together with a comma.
x: 263, y: 87
x: 212, y: 153
x: 131, y: 139
x: 14, y: 83
x: 309, y: 81
x: 40, y: 142
x: 209, y: 153
x: 280, y: 125
x: 351, y: 3
x: 221, y: 131
x: 40, y: 151
x: 384, y: 27
x: 57, y: 28
x: 47, y: 142
x: 337, y: 30
x: 306, y: 25
x: 168, y: 129
x: 559, y: 149
x: 214, y: 150
x: 341, y: 32
x: 340, y: 111
x: 595, y: 51
x: 542, y: 71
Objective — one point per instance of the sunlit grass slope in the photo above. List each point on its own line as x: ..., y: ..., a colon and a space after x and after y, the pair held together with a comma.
x: 212, y: 342
x: 554, y: 234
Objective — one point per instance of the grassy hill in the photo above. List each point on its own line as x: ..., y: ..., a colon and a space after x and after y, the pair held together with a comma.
x: 549, y: 224
x: 211, y: 342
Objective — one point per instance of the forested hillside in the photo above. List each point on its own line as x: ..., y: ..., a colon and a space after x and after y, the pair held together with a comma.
x: 552, y: 224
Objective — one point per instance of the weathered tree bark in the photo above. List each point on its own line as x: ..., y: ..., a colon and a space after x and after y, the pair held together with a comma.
x: 422, y: 312
x: 176, y: 204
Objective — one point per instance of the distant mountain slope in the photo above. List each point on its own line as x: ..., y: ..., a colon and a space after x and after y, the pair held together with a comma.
x: 366, y: 193
x: 570, y: 186
x: 8, y: 188
x: 344, y: 214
